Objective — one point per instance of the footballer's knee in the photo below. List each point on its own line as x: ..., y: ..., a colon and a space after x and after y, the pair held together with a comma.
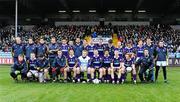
x: 29, y: 74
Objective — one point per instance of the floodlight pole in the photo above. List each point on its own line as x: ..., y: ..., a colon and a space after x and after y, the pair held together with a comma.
x: 16, y: 17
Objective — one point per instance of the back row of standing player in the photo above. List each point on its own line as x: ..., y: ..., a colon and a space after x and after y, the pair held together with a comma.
x: 96, y: 53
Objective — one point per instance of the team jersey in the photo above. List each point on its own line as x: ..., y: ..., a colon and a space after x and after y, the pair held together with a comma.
x: 42, y: 63
x: 116, y: 61
x: 53, y: 47
x: 151, y: 48
x: 120, y: 50
x: 96, y: 62
x: 128, y: 50
x: 32, y: 64
x: 30, y: 48
x: 106, y: 61
x: 146, y: 61
x: 90, y: 49
x: 128, y: 63
x: 71, y: 60
x: 140, y: 51
x: 111, y: 50
x: 41, y: 49
x: 65, y: 49
x: 84, y: 62
x: 100, y: 49
x: 161, y: 53
x: 17, y: 49
x: 59, y: 61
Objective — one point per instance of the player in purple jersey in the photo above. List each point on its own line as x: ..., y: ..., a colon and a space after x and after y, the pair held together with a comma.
x: 85, y: 44
x: 120, y: 48
x: 64, y: 47
x: 129, y: 66
x: 90, y: 49
x: 106, y: 66
x: 71, y: 66
x: 100, y: 48
x: 116, y: 66
x: 71, y: 44
x: 96, y: 65
x: 139, y: 50
x: 129, y: 49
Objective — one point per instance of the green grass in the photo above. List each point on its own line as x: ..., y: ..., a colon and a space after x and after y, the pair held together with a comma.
x: 60, y: 92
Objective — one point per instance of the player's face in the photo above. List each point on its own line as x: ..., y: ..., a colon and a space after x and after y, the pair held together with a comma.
x: 33, y: 56
x: 100, y: 42
x: 20, y: 58
x: 71, y: 52
x: 64, y: 42
x: 59, y: 53
x: 30, y: 41
x: 127, y: 56
x: 53, y: 40
x: 41, y: 41
x: 146, y: 52
x: 116, y: 53
x: 18, y: 40
x: 140, y: 42
x: 77, y: 40
x: 84, y: 53
x: 148, y: 41
x: 71, y: 43
x: 95, y: 52
x: 106, y: 53
x: 119, y: 44
x: 84, y: 42
x: 161, y: 44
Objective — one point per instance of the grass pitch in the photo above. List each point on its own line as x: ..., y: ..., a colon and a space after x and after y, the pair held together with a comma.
x: 70, y: 92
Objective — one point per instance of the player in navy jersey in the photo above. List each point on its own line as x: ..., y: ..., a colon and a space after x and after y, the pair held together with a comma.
x: 129, y: 49
x: 59, y: 64
x: 129, y: 66
x: 53, y: 48
x: 71, y: 66
x: 110, y: 47
x: 30, y: 48
x: 139, y: 50
x: 100, y: 48
x: 42, y: 67
x: 20, y: 67
x: 96, y: 65
x: 151, y: 48
x: 42, y: 48
x: 161, y: 54
x: 17, y: 49
x: 78, y: 47
x: 85, y: 44
x: 106, y: 66
x: 120, y: 48
x: 90, y: 49
x: 64, y: 47
x: 116, y: 66
x: 71, y: 45
x: 33, y: 72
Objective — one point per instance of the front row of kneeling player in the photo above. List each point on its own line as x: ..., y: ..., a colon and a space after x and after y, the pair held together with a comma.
x: 106, y: 69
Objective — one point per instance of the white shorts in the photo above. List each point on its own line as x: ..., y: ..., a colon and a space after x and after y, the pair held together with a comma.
x: 161, y: 63
x: 83, y: 69
x: 33, y: 72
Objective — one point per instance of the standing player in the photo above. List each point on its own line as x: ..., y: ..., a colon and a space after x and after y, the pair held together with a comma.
x: 30, y: 48
x: 19, y: 67
x: 120, y: 49
x: 78, y: 48
x: 64, y: 47
x: 96, y: 64
x: 106, y: 64
x: 33, y: 72
x: 71, y: 66
x: 17, y: 49
x: 110, y: 47
x: 90, y: 49
x: 42, y: 49
x: 100, y: 48
x: 83, y: 65
x: 139, y: 50
x: 42, y: 67
x: 58, y: 65
x: 161, y: 60
x: 129, y: 66
x: 145, y: 63
x: 53, y: 48
x: 116, y: 65
x: 151, y: 48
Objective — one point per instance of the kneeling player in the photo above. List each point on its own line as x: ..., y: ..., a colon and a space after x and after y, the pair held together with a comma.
x: 83, y: 63
x: 106, y: 66
x: 116, y: 65
x: 129, y: 66
x: 145, y: 63
x: 33, y: 72
x: 19, y: 67
x: 71, y: 66
x: 96, y: 66
x: 58, y: 65
x: 42, y: 67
